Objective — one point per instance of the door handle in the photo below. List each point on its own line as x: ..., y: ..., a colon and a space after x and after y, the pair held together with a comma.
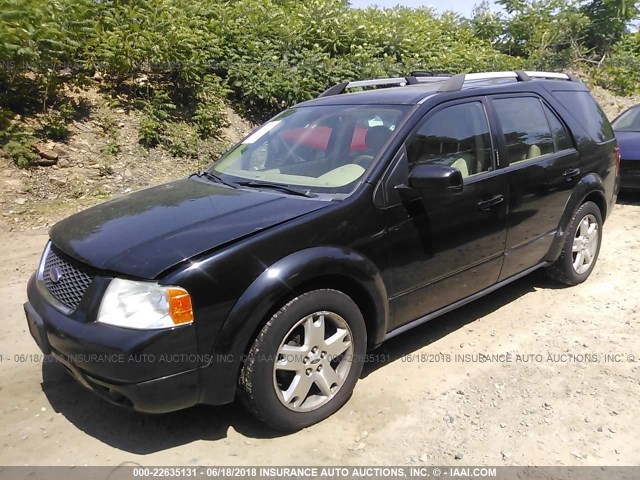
x: 491, y: 202
x: 571, y: 173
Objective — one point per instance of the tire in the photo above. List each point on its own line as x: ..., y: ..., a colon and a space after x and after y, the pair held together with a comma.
x: 585, y: 233
x: 305, y: 362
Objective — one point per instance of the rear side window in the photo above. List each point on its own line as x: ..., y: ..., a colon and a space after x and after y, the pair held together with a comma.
x: 560, y: 135
x: 525, y: 128
x: 586, y: 111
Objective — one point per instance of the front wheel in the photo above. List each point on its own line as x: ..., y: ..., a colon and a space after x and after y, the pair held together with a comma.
x: 581, y: 246
x: 305, y: 362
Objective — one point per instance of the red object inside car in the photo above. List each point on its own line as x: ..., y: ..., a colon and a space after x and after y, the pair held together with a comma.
x: 318, y: 137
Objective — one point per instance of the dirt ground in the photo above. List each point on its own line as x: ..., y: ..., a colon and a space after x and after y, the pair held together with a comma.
x: 548, y: 396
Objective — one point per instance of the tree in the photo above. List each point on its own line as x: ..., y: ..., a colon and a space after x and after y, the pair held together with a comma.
x: 608, y: 22
x: 548, y: 33
x: 486, y: 24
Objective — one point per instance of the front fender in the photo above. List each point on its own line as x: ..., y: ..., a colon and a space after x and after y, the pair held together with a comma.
x: 271, y: 289
x: 589, y: 186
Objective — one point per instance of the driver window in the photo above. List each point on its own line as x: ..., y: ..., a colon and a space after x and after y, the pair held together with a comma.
x: 458, y: 137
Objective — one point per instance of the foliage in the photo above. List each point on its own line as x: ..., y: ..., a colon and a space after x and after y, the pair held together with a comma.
x: 547, y: 33
x: 181, y: 140
x: 16, y: 144
x: 210, y: 115
x: 161, y: 37
x: 608, y: 22
x: 108, y: 124
x: 20, y: 150
x: 621, y: 72
x: 157, y: 112
x: 286, y: 57
x: 486, y: 24
x: 181, y: 62
x: 37, y: 41
x: 149, y: 131
x: 54, y: 123
x: 264, y: 54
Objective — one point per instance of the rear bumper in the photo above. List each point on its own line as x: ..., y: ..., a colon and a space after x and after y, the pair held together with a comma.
x: 148, y: 371
x: 630, y: 175
x: 632, y: 183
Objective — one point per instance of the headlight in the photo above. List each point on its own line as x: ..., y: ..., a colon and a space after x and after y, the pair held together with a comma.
x: 144, y: 305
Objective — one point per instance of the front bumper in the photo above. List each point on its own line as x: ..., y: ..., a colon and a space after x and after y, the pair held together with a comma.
x: 153, y: 371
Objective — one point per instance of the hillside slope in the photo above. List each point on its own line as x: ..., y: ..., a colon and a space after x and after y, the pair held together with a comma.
x: 101, y: 158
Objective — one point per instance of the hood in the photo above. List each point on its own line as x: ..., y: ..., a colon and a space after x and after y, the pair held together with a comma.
x: 629, y: 143
x: 144, y: 233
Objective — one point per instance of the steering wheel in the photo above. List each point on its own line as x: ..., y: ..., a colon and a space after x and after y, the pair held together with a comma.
x: 281, y: 154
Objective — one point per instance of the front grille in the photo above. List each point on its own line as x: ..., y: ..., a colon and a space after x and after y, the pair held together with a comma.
x: 73, y: 278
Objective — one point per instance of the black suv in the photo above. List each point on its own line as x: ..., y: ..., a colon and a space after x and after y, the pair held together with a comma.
x: 342, y: 222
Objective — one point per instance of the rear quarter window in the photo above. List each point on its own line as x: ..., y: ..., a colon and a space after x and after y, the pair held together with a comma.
x: 560, y: 135
x: 587, y: 112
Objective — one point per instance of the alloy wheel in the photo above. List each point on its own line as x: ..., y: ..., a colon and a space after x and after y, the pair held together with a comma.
x: 585, y: 244
x: 313, y: 361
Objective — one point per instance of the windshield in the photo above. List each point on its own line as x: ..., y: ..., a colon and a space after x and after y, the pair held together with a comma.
x: 629, y: 121
x: 325, y: 149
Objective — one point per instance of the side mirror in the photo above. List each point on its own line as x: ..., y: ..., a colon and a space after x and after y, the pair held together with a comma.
x: 436, y: 179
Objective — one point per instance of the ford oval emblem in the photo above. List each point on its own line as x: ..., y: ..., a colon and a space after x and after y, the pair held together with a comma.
x: 55, y: 274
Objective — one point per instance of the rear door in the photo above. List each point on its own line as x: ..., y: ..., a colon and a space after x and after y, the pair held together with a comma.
x: 542, y: 167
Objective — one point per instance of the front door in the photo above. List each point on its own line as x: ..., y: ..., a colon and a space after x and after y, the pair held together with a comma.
x: 444, y: 247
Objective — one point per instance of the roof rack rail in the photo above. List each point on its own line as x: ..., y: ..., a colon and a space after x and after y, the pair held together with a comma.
x: 456, y: 82
x: 452, y: 83
x: 341, y: 87
x: 421, y: 73
x: 414, y: 78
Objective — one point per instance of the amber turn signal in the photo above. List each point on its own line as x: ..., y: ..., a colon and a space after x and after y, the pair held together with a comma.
x: 180, y: 308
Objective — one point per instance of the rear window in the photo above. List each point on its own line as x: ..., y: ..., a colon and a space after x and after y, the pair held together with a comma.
x: 586, y: 111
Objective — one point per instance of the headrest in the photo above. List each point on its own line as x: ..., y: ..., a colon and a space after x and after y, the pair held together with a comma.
x: 376, y: 137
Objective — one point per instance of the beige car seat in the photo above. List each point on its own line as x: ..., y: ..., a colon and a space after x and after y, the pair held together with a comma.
x: 534, y: 151
x: 466, y: 165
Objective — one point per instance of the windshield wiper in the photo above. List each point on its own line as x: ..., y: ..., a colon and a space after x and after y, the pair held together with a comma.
x: 277, y: 186
x: 212, y: 176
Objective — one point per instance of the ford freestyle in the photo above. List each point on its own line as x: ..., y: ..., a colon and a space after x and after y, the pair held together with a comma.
x: 342, y: 222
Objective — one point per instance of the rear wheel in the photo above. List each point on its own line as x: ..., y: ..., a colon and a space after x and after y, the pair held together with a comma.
x: 581, y: 246
x: 305, y: 362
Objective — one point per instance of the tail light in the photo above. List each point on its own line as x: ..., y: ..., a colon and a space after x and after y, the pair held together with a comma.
x: 617, y: 161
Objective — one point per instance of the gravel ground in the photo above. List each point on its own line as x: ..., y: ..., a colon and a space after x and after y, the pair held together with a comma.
x: 545, y: 395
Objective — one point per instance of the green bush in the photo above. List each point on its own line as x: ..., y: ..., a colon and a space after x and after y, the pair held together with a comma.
x: 157, y: 112
x: 20, y: 150
x: 183, y: 60
x: 621, y: 71
x: 55, y: 122
x: 267, y: 53
x: 210, y: 115
x: 181, y: 140
x: 14, y: 142
x: 149, y: 131
x: 37, y: 40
